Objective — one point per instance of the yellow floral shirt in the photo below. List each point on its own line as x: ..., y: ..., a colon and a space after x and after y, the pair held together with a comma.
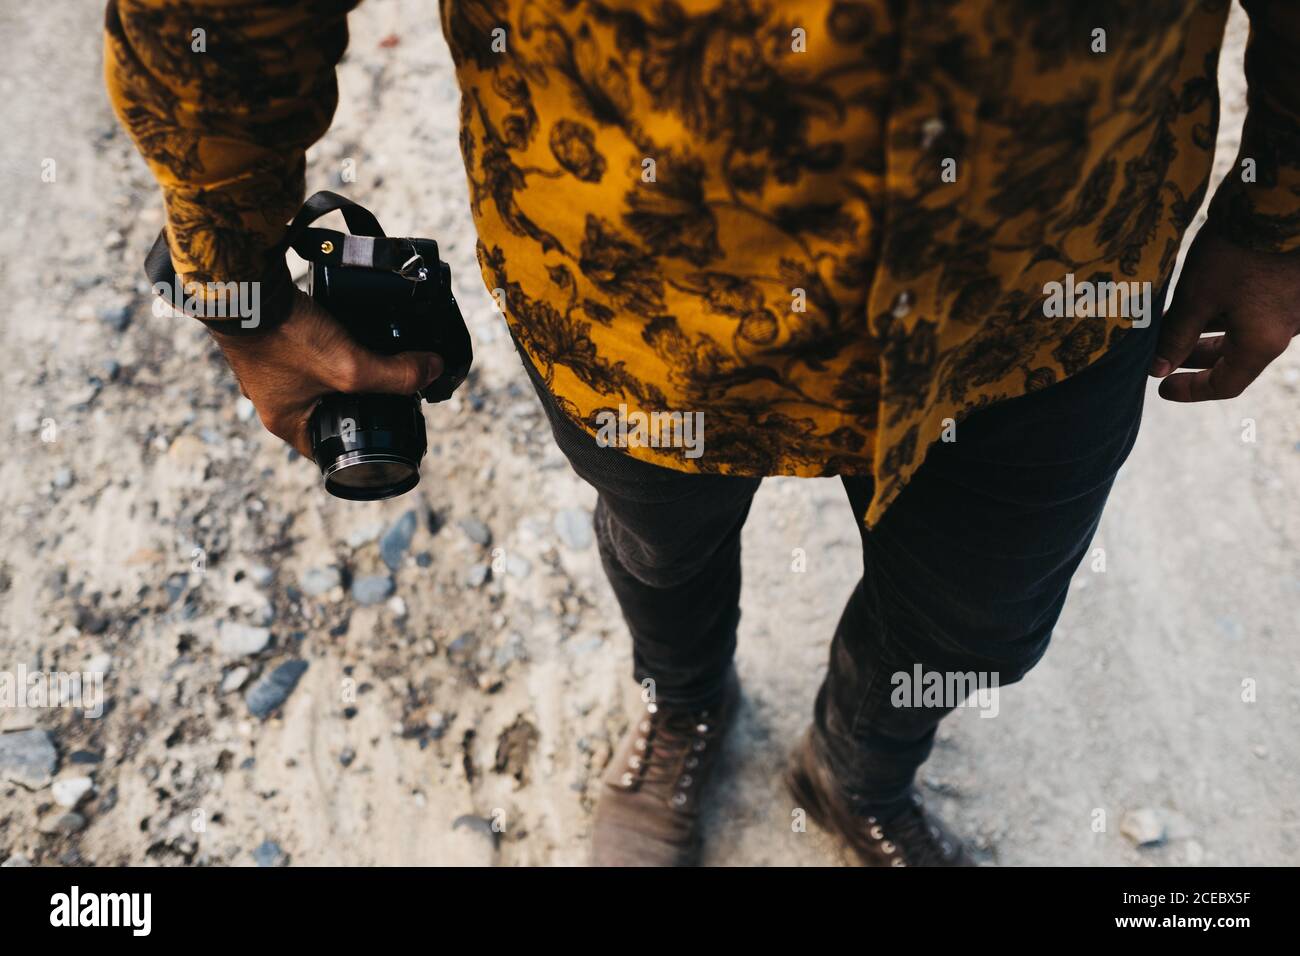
x: 826, y: 225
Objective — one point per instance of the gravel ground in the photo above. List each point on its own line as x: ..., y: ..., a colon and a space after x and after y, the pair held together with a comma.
x: 465, y: 665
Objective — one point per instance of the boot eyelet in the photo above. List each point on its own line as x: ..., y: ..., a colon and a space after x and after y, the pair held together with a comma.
x: 888, y: 847
x: 626, y: 780
x: 686, y: 781
x: 897, y: 861
x: 679, y: 799
x: 876, y: 833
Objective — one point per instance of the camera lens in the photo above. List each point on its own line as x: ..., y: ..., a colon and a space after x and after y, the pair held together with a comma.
x: 368, y: 447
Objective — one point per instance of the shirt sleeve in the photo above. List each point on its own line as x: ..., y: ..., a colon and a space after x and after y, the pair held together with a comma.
x: 1258, y: 203
x: 222, y: 98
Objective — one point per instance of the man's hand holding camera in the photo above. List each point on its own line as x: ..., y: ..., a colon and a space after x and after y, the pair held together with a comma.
x: 287, y: 370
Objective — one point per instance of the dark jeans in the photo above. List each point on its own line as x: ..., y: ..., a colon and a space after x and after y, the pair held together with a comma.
x: 966, y: 572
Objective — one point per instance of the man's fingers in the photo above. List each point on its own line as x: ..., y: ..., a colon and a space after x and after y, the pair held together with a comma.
x: 402, y: 374
x: 1206, y: 353
x: 1181, y: 328
x: 1236, y: 367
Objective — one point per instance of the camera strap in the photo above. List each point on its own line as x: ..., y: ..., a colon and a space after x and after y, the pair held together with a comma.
x: 366, y: 246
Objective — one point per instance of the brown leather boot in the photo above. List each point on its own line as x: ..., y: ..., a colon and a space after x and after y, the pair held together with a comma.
x: 648, y: 811
x: 908, y: 837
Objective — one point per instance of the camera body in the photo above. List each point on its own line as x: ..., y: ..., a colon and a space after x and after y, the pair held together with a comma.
x: 369, y: 446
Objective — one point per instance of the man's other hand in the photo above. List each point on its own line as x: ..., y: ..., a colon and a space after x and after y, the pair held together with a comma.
x: 285, y: 371
x: 1251, y: 297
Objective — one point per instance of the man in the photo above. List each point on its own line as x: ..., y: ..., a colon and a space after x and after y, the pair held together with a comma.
x: 918, y: 245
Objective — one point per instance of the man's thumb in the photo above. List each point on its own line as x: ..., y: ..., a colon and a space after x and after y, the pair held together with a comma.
x: 1180, y: 330
x: 402, y: 374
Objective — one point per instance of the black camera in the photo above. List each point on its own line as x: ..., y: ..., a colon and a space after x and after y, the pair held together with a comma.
x: 392, y: 295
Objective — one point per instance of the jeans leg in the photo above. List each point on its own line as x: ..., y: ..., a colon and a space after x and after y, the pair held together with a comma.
x: 968, y: 570
x: 670, y: 545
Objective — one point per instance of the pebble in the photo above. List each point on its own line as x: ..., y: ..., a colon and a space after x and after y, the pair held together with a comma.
x: 244, y: 409
x: 15, y: 861
x: 347, y: 756
x: 117, y: 316
x: 28, y: 757
x: 477, y: 574
x: 518, y: 567
x: 476, y: 531
x: 372, y: 589
x: 424, y: 559
x: 364, y: 535
x: 261, y: 575
x: 1143, y: 827
x: 270, y: 854
x: 175, y: 586
x: 397, y: 606
x: 318, y: 581
x: 273, y: 689
x: 61, y: 823
x: 69, y: 791
x: 235, y: 679
x: 63, y: 478
x: 573, y: 526
x: 512, y: 650
x: 241, y: 640
x: 395, y: 541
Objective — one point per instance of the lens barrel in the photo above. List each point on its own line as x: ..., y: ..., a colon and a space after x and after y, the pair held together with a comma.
x: 368, y: 447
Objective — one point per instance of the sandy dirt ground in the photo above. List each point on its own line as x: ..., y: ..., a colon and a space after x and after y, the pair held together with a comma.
x: 150, y: 528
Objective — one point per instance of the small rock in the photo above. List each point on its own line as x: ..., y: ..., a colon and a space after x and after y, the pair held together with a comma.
x: 347, y: 756
x: 573, y: 526
x: 15, y: 861
x: 28, y: 757
x: 244, y: 409
x: 477, y: 574
x: 364, y: 535
x: 318, y: 581
x: 63, y: 478
x: 61, y: 824
x: 116, y: 315
x: 175, y: 585
x: 476, y: 531
x: 100, y: 663
x: 397, y: 606
x: 395, y: 541
x: 274, y: 689
x: 69, y: 791
x: 512, y: 650
x: 234, y: 679
x: 518, y: 567
x: 270, y: 854
x: 1143, y: 827
x: 424, y: 559
x: 261, y: 575
x: 241, y: 640
x: 372, y: 589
